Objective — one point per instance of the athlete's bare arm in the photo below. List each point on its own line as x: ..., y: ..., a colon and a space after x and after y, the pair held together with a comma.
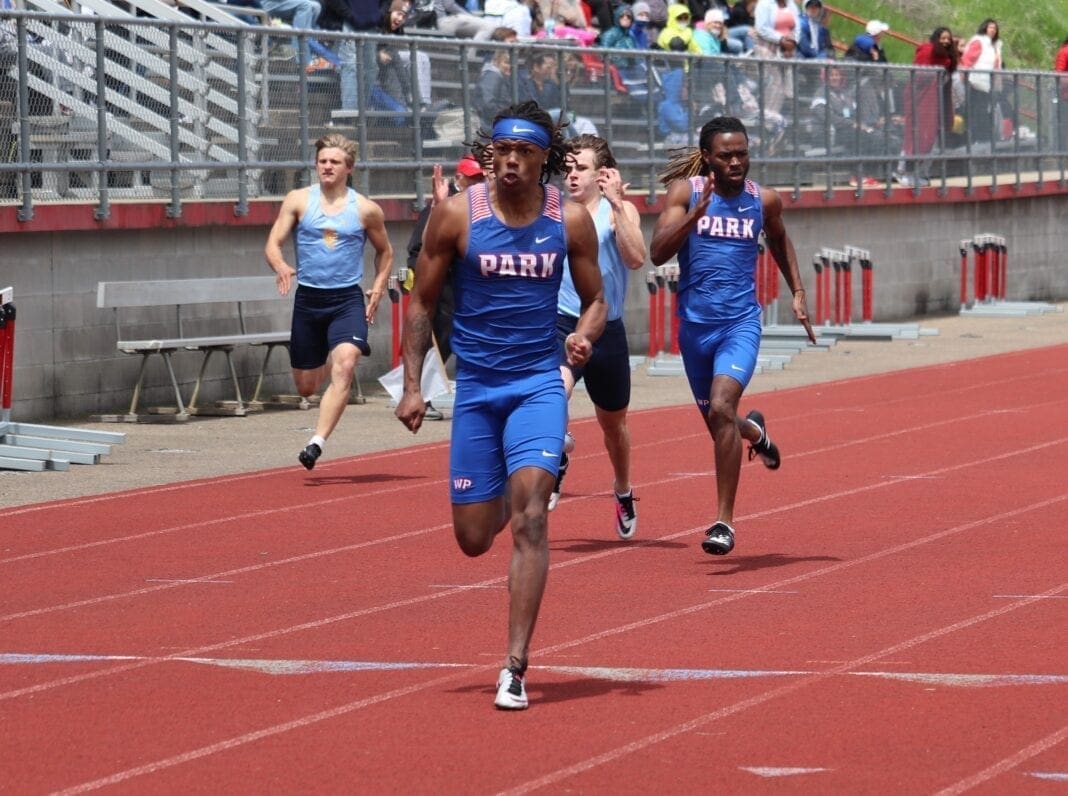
x: 625, y: 221
x: 782, y: 249
x: 374, y: 223
x: 678, y: 219
x: 445, y: 237
x: 289, y: 214
x: 586, y: 274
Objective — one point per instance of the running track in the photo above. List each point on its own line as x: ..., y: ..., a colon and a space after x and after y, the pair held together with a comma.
x: 893, y: 618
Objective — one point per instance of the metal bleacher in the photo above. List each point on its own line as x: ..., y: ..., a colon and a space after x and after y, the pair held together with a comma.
x: 137, y: 81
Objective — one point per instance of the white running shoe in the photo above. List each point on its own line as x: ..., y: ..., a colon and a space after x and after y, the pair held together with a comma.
x: 561, y: 471
x: 626, y: 516
x: 511, y: 690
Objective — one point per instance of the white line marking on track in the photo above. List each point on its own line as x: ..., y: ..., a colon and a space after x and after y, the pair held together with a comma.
x: 1007, y: 764
x: 759, y: 699
x: 767, y: 771
x: 1043, y: 597
x: 756, y: 591
x: 184, y: 580
x: 1056, y: 776
x: 700, y: 721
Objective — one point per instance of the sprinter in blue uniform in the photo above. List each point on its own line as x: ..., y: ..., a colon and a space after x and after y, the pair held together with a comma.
x: 504, y: 244
x: 594, y: 182
x: 712, y: 218
x: 332, y: 223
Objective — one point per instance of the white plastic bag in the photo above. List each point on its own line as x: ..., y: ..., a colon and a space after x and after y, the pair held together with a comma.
x: 434, y: 382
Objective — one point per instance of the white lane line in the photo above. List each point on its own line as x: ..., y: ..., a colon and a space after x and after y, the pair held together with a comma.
x: 1006, y: 764
x: 620, y: 674
x: 767, y: 771
x: 881, y: 484
x: 788, y: 688
x: 340, y: 710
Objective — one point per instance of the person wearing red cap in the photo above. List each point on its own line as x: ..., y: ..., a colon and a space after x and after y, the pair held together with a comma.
x: 468, y: 172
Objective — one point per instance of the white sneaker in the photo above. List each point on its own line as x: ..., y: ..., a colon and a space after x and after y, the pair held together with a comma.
x: 511, y: 690
x: 626, y: 516
x: 554, y: 496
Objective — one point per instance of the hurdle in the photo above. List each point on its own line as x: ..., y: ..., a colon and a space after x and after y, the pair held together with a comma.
x: 33, y: 447
x: 664, y: 359
x: 834, y: 306
x: 990, y: 253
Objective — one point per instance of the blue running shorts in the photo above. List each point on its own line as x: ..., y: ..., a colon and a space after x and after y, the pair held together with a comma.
x: 501, y: 423
x: 322, y: 320
x: 607, y: 373
x: 718, y: 350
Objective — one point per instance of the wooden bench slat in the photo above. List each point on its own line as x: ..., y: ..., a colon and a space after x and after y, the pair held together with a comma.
x: 187, y: 291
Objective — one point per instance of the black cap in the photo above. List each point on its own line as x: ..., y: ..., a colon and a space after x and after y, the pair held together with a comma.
x: 816, y: 3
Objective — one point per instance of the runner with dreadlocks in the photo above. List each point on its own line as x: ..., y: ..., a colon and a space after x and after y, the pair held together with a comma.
x: 712, y: 218
x: 503, y: 244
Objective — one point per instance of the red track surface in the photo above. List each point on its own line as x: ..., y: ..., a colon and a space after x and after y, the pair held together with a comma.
x: 893, y: 618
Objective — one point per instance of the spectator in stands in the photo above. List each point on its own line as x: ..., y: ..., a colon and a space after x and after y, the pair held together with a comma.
x: 354, y: 16
x: 741, y: 22
x: 815, y: 41
x: 775, y: 20
x: 620, y: 36
x: 776, y: 33
x: 538, y: 82
x: 494, y: 88
x: 642, y: 30
x: 399, y: 11
x: 866, y: 46
x: 928, y: 104
x: 677, y: 36
x: 468, y: 172
x: 300, y: 14
x: 713, y: 39
x: 453, y: 19
x: 982, y: 57
x: 510, y: 14
x: 674, y: 119
x: 1060, y: 64
x: 330, y: 224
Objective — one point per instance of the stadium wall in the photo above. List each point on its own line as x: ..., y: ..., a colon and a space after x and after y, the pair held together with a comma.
x: 67, y: 367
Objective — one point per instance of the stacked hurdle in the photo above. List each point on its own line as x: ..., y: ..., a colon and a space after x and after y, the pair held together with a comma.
x: 35, y: 447
x: 664, y: 357
x: 834, y: 312
x: 990, y: 280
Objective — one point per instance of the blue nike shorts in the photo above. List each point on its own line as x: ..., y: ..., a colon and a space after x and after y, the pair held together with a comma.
x: 502, y: 422
x: 718, y: 350
x: 322, y: 320
x: 607, y: 372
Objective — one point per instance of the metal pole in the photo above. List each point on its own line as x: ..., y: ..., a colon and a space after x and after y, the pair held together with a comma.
x: 103, y: 208
x: 241, y: 208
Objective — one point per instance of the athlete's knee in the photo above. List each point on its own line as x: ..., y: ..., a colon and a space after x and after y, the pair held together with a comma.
x: 307, y: 381
x: 720, y: 412
x: 530, y: 524
x: 473, y: 541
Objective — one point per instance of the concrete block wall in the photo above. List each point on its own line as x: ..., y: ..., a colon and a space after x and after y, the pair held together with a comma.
x: 67, y: 367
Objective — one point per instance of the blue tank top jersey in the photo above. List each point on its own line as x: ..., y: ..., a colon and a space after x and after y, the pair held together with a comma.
x: 330, y: 248
x: 718, y: 258
x: 613, y: 271
x: 505, y: 288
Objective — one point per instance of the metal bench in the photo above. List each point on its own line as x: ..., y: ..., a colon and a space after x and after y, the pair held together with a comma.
x: 178, y: 293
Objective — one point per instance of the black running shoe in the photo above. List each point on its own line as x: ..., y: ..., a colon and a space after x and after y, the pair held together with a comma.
x: 554, y: 498
x: 764, y: 448
x: 719, y: 539
x: 309, y: 455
